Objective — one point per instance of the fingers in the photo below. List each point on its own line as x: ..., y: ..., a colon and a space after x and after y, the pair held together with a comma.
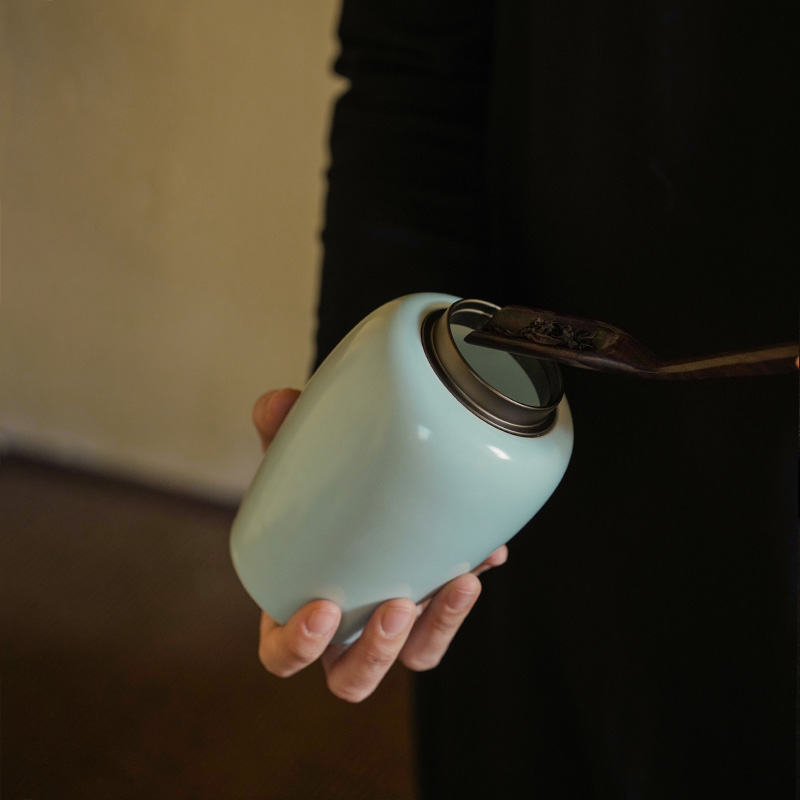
x: 269, y: 412
x: 286, y: 649
x: 496, y: 559
x: 418, y: 636
x: 439, y: 623
x: 355, y: 672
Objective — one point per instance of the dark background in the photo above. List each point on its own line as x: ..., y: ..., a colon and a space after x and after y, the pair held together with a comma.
x: 129, y: 667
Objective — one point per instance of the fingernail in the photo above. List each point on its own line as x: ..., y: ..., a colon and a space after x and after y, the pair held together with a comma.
x: 321, y: 621
x: 394, y: 620
x: 458, y: 599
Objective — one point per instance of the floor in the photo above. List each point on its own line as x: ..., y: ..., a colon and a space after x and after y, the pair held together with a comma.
x: 128, y: 664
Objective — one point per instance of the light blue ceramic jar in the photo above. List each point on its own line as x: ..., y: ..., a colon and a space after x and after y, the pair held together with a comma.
x: 409, y: 457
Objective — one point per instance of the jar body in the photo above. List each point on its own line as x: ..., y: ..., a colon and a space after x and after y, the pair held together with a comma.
x: 381, y: 484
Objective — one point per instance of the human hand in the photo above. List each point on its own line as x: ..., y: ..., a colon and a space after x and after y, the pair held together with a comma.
x: 417, y: 636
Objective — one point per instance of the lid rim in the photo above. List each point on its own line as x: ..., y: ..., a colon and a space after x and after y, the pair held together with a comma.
x: 472, y: 391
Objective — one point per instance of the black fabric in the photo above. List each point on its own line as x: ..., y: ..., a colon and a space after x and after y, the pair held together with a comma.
x: 631, y: 163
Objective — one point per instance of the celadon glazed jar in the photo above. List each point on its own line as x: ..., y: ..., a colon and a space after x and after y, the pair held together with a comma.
x: 409, y: 457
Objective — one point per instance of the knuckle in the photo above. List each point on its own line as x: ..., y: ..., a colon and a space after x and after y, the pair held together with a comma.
x: 282, y: 670
x: 278, y: 669
x: 378, y: 659
x: 422, y: 662
x: 445, y: 622
x: 293, y: 657
x: 357, y: 681
x: 300, y: 652
x: 265, y: 658
x: 349, y: 692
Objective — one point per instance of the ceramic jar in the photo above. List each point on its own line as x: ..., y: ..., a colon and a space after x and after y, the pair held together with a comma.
x: 409, y: 457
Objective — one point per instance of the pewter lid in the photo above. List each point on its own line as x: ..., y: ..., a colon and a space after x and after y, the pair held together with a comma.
x: 531, y: 414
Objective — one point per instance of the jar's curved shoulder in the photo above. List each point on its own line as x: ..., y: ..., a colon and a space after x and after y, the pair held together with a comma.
x: 444, y: 434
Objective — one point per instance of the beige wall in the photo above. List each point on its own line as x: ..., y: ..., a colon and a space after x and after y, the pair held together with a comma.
x: 162, y: 180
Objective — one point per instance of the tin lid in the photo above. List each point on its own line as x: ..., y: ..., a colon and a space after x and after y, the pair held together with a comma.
x: 515, y: 393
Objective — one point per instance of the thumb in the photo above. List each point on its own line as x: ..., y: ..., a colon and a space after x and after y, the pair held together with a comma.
x: 269, y: 412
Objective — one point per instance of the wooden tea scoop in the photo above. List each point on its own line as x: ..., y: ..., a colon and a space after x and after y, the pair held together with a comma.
x: 602, y: 347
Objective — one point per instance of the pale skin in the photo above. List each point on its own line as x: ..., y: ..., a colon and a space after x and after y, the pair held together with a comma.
x: 416, y: 635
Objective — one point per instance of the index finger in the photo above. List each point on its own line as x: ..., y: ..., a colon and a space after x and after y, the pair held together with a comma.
x: 286, y: 649
x: 354, y: 672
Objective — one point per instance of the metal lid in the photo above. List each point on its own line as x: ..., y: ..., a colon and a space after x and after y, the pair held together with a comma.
x: 467, y: 369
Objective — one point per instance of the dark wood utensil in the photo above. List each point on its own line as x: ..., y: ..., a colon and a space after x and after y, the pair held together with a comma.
x: 605, y: 348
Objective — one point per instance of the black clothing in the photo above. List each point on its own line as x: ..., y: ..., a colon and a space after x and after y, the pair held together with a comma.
x: 630, y: 163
